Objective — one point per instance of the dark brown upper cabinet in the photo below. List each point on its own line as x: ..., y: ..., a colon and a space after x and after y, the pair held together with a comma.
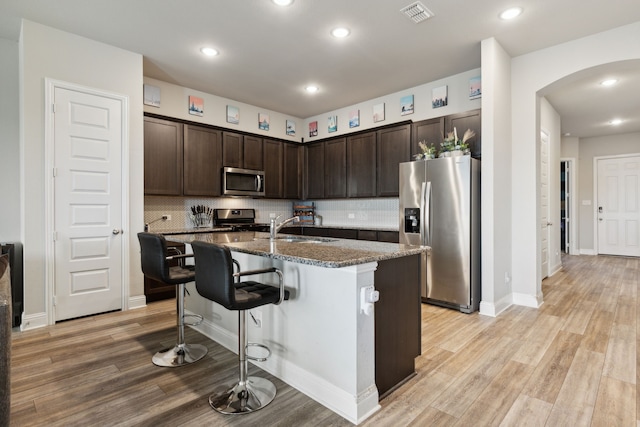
x: 431, y: 131
x: 202, y: 161
x: 361, y: 165
x: 253, y: 153
x: 273, y: 168
x: 292, y: 183
x: 393, y: 148
x: 314, y: 171
x: 462, y: 122
x: 232, y: 150
x: 335, y: 170
x: 163, y: 148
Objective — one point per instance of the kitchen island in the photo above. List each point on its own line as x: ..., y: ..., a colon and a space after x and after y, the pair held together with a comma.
x: 326, y: 340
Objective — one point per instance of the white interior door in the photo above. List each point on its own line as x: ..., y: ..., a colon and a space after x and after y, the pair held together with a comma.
x: 87, y: 203
x: 544, y: 204
x: 618, y: 207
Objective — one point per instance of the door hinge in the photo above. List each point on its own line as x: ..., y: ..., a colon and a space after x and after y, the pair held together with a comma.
x: 55, y: 301
x: 54, y: 236
x: 54, y: 172
x: 53, y: 108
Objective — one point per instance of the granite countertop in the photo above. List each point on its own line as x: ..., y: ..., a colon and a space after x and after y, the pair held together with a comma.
x: 329, y: 253
x: 217, y: 229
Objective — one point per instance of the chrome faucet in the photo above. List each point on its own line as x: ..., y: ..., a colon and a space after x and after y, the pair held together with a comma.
x: 273, y: 228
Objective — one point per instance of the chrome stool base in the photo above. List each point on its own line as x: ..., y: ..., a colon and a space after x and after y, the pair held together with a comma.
x: 254, y: 394
x: 179, y: 355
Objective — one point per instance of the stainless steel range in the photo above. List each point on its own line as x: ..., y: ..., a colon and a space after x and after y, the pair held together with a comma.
x: 239, y: 219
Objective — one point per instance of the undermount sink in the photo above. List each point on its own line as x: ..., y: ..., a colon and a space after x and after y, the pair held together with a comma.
x: 299, y: 239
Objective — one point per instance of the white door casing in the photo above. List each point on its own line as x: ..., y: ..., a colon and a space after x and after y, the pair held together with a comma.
x: 544, y: 204
x: 618, y: 205
x: 86, y: 202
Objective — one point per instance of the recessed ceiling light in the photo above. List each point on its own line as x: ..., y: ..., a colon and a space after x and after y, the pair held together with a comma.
x: 511, y: 13
x: 312, y: 88
x: 567, y: 134
x: 283, y: 2
x: 609, y: 82
x: 209, y: 51
x: 615, y: 122
x: 340, y: 32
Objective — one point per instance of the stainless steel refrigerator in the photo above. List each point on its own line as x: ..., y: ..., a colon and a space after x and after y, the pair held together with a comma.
x: 440, y: 208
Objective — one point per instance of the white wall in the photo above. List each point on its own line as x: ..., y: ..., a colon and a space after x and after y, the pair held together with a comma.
x: 9, y: 142
x: 530, y: 74
x: 174, y: 101
x: 458, y: 97
x: 49, y: 53
x: 496, y: 179
x: 596, y: 147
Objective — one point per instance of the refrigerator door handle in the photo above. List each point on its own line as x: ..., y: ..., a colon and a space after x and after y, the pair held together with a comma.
x: 425, y: 207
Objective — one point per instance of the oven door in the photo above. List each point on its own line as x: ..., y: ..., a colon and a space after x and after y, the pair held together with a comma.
x: 242, y: 182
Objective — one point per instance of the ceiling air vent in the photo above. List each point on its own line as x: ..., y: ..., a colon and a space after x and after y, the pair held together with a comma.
x: 417, y: 12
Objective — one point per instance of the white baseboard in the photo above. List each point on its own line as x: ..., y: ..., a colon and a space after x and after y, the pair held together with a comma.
x: 527, y: 300
x: 138, y: 301
x: 353, y: 408
x: 493, y: 309
x: 587, y: 251
x: 33, y: 321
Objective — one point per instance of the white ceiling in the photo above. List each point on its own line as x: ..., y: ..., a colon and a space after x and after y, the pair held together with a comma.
x: 268, y: 54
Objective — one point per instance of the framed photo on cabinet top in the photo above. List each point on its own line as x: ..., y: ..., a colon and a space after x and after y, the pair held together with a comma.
x: 406, y: 105
x: 233, y: 114
x: 354, y: 118
x: 291, y: 127
x: 439, y: 97
x: 378, y: 112
x: 196, y: 106
x: 332, y: 125
x: 313, y: 129
x: 263, y: 121
x: 475, y: 87
x: 151, y: 95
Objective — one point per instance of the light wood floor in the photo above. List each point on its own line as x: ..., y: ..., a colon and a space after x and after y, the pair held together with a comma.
x: 573, y: 362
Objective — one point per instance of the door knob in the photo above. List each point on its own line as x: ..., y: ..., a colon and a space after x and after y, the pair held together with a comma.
x: 116, y: 231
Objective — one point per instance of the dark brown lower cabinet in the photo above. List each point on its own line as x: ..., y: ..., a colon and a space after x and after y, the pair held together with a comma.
x: 397, y: 322
x: 156, y: 291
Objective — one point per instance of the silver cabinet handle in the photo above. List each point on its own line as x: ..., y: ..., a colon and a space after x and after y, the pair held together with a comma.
x: 116, y: 231
x: 549, y: 223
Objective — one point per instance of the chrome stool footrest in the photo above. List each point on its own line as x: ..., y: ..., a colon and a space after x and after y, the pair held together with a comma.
x: 198, y: 320
x: 256, y: 358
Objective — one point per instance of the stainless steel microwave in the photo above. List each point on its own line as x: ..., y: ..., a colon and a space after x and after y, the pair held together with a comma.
x: 242, y: 182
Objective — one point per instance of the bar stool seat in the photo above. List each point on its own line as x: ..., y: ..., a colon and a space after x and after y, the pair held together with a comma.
x: 216, y: 281
x: 156, y: 259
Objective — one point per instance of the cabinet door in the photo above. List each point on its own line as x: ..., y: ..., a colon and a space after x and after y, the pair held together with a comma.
x: 292, y: 171
x: 335, y: 168
x: 162, y: 157
x: 431, y: 131
x: 272, y: 168
x: 202, y: 161
x: 314, y: 171
x: 253, y: 153
x: 361, y: 165
x: 232, y: 150
x: 393, y: 148
x: 462, y: 122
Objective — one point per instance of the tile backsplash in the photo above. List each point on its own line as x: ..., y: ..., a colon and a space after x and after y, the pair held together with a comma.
x: 358, y: 213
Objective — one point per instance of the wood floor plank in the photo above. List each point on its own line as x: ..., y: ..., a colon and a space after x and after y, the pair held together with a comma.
x: 574, y: 361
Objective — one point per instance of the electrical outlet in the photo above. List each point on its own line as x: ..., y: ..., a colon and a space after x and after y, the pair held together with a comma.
x: 166, y: 217
x: 272, y: 215
x: 351, y: 215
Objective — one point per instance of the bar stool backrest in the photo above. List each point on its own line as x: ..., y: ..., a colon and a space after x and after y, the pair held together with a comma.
x: 214, y: 274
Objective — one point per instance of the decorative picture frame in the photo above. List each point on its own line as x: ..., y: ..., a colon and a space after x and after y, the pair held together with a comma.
x: 378, y: 112
x: 151, y: 95
x: 475, y: 87
x: 291, y: 128
x: 313, y: 129
x: 233, y: 115
x: 332, y: 124
x: 439, y: 97
x: 196, y: 106
x: 406, y: 105
x: 263, y: 121
x: 354, y: 118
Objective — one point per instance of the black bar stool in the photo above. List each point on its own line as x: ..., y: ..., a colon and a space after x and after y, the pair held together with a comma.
x: 155, y: 265
x: 215, y: 281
